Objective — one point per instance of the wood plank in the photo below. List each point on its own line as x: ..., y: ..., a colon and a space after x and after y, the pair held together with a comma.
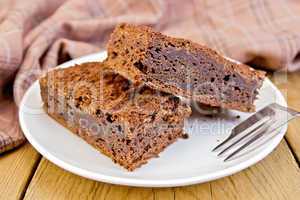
x: 194, y: 192
x: 164, y: 193
x: 52, y: 182
x: 16, y: 169
x: 276, y: 177
x: 289, y: 84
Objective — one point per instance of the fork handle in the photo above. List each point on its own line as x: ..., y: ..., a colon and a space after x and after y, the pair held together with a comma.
x: 291, y: 111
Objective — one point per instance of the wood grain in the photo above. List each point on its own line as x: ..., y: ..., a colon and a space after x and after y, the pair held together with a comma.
x: 51, y: 182
x: 194, y: 192
x: 16, y: 169
x: 276, y: 177
x: 289, y: 84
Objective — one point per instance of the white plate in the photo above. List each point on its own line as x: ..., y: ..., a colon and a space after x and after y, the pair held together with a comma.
x: 185, y: 162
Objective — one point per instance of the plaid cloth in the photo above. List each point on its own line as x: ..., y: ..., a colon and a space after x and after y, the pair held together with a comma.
x: 36, y: 35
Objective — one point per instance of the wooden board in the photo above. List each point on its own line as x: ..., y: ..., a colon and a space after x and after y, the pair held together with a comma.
x: 276, y: 177
x: 16, y: 170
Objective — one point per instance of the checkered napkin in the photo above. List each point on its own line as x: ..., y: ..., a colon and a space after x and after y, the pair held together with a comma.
x: 36, y: 35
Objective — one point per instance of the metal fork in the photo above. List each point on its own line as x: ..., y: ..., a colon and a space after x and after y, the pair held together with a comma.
x: 265, y: 121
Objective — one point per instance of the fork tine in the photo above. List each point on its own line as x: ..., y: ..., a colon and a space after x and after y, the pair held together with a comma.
x: 253, y: 139
x: 265, y: 121
x: 221, y: 144
x: 251, y: 128
x: 261, y: 127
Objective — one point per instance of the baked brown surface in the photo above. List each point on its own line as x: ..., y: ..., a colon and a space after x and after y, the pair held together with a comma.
x: 183, y: 68
x: 129, y: 123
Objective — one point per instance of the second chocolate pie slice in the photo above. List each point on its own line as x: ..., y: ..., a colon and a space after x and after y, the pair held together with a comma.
x: 183, y: 68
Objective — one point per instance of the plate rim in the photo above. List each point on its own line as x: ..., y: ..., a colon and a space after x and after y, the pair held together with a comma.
x: 149, y: 182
